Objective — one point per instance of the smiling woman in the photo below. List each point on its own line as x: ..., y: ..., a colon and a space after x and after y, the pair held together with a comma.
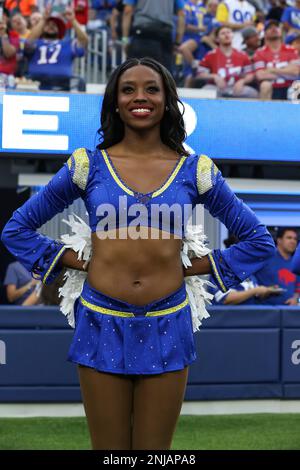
x: 133, y: 337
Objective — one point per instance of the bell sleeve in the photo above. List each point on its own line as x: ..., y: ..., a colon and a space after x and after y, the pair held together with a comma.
x: 234, y: 264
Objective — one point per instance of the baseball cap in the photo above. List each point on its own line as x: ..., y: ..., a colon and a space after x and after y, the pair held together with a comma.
x: 270, y: 23
x: 248, y: 32
x: 291, y: 37
x: 60, y: 22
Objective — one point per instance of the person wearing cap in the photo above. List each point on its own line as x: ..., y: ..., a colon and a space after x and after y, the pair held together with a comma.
x: 251, y: 40
x: 50, y: 53
x: 276, y: 64
x: 291, y: 18
x: 226, y: 70
x: 293, y: 40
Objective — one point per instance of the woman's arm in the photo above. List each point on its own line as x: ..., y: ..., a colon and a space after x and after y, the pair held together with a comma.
x: 232, y: 265
x: 199, y: 266
x: 41, y: 255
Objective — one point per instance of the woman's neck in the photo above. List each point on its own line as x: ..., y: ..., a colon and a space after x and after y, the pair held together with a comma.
x: 139, y: 142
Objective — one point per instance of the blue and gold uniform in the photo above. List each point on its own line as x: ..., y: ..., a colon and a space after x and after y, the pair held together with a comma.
x: 112, y: 335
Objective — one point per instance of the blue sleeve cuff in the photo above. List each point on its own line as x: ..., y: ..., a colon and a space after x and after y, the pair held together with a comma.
x: 223, y: 276
x: 48, y: 267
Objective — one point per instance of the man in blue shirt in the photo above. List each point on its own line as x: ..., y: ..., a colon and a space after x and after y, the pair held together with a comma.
x: 51, y: 55
x: 291, y: 17
x: 152, y: 28
x: 19, y: 283
x: 278, y: 270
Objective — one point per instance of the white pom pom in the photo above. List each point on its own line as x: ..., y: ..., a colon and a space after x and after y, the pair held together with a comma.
x: 194, y: 246
x: 79, y: 241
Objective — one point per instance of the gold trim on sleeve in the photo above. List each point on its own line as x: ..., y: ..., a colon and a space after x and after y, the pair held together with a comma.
x: 206, y: 172
x: 81, y: 167
x: 53, y: 264
x: 216, y: 273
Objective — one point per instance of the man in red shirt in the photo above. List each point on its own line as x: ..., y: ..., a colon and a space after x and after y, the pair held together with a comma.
x: 276, y: 64
x: 227, y: 70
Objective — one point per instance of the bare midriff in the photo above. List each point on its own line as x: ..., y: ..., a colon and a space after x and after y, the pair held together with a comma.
x: 137, y: 271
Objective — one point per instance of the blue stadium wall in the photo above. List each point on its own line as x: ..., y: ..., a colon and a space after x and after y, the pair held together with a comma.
x: 243, y: 353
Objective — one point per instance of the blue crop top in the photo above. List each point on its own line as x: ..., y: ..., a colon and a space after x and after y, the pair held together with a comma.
x: 92, y: 176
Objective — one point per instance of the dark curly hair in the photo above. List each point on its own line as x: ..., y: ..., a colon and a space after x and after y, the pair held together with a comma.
x: 172, y: 129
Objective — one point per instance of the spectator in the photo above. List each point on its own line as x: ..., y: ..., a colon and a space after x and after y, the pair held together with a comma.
x: 152, y: 28
x: 9, y: 44
x: 296, y: 261
x: 19, y: 284
x: 116, y: 21
x: 25, y: 7
x: 237, y: 15
x: 198, y: 38
x: 291, y: 18
x: 194, y: 30
x: 251, y: 40
x: 227, y: 70
x: 246, y: 293
x: 19, y: 25
x: 51, y: 55
x: 278, y: 270
x: 294, y: 41
x: 276, y: 64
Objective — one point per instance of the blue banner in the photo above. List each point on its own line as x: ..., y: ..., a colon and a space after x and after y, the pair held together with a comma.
x: 42, y: 123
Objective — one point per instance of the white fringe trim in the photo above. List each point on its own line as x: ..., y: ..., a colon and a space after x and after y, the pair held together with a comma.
x: 193, y: 246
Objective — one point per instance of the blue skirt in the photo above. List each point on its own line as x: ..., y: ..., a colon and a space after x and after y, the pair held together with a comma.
x: 117, y: 337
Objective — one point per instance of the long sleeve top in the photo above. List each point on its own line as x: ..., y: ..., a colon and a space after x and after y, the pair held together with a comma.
x: 92, y: 176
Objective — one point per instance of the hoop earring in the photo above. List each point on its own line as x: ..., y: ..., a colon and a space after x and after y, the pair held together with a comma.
x: 167, y: 108
x: 117, y: 110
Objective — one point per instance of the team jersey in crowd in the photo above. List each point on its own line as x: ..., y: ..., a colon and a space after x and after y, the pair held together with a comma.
x: 265, y: 58
x: 194, y: 16
x: 236, y: 12
x: 18, y: 276
x: 291, y: 15
x: 53, y: 58
x: 278, y: 271
x: 231, y: 68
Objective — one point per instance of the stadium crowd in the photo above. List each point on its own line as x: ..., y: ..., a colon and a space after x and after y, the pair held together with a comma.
x: 239, y: 48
